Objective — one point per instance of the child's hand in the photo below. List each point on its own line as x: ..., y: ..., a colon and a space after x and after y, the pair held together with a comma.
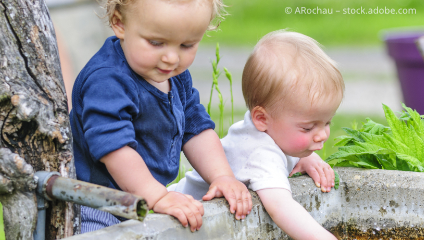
x: 234, y: 191
x: 318, y: 170
x: 183, y: 207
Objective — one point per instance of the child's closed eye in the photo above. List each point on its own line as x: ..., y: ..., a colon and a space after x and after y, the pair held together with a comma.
x: 308, y: 129
x: 187, y: 45
x: 155, y: 43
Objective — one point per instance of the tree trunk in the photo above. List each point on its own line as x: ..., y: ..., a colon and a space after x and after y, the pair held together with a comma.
x: 34, y: 122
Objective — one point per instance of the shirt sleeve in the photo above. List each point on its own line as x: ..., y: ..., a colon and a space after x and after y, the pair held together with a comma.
x: 265, y: 168
x: 196, y: 118
x: 109, y: 102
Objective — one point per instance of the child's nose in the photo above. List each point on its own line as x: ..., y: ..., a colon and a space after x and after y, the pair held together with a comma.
x: 321, y: 136
x: 171, y: 57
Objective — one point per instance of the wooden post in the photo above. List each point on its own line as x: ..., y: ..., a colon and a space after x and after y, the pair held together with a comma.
x: 34, y: 124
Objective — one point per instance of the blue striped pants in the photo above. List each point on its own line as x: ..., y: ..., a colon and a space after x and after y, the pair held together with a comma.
x: 93, y: 219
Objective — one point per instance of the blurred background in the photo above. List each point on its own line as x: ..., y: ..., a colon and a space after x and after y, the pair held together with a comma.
x: 354, y: 40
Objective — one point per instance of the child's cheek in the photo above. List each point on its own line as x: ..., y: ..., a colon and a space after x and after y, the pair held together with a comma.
x: 300, y: 143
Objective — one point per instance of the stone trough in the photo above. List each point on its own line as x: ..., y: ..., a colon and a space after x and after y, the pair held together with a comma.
x: 370, y: 204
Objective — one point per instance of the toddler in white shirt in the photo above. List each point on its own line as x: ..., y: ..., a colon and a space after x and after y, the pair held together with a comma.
x: 292, y: 90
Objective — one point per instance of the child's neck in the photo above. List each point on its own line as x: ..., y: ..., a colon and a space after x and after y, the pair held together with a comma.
x: 164, y: 86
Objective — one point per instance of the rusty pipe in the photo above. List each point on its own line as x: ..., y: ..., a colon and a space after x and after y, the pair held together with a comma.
x: 110, y: 200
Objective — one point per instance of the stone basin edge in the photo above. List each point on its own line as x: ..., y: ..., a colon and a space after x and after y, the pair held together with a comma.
x: 371, y: 200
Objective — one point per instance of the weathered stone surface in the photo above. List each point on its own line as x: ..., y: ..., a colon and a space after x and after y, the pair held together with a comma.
x: 370, y: 204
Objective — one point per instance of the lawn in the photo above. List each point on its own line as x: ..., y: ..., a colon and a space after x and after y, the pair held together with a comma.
x: 249, y: 20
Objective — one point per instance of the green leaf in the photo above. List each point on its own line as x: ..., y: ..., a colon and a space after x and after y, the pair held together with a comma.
x: 336, y: 180
x: 387, y: 158
x: 296, y: 175
x: 365, y: 160
x: 397, y: 126
x: 374, y: 128
x: 408, y: 162
x: 354, y: 133
x: 347, y: 164
x: 343, y: 140
x: 414, y: 119
x: 397, y: 147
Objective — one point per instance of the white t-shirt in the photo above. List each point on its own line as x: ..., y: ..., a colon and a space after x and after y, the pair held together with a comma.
x: 254, y: 157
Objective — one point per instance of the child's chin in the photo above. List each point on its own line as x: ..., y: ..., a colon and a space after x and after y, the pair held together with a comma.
x: 303, y: 154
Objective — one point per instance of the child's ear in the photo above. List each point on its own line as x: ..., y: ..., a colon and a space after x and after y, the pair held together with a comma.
x: 117, y: 25
x: 259, y: 118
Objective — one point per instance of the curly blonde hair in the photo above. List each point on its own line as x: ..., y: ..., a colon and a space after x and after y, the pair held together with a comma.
x: 111, y: 5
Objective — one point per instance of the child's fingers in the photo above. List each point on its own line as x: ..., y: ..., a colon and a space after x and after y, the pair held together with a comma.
x: 183, y: 207
x: 329, y: 173
x: 326, y: 183
x: 244, y: 204
x: 213, y: 192
x: 194, y: 217
x: 180, y: 215
x: 323, y: 179
x: 188, y: 216
x: 247, y: 203
x: 232, y: 200
x: 197, y: 204
x: 239, y: 205
x: 191, y: 214
x: 313, y: 173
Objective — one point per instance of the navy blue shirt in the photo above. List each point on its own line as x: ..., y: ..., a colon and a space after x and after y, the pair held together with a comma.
x: 114, y: 107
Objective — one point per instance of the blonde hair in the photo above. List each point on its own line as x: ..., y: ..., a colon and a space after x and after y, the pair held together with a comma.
x: 283, y: 67
x: 110, y: 6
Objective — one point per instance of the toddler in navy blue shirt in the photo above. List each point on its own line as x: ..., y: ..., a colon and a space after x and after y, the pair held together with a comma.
x: 134, y: 110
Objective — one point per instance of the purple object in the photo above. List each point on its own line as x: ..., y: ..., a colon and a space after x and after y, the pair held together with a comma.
x: 410, y: 66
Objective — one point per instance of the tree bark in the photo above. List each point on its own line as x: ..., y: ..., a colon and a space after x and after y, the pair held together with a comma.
x: 34, y: 124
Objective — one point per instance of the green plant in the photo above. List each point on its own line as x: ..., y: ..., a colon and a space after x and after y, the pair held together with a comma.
x: 398, y: 146
x: 216, y: 72
x: 230, y: 78
x: 2, y: 233
x: 215, y: 75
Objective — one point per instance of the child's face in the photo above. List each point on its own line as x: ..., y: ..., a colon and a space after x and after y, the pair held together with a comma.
x: 299, y: 131
x: 160, y: 39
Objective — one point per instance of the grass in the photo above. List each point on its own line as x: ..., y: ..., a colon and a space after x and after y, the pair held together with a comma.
x: 249, y: 20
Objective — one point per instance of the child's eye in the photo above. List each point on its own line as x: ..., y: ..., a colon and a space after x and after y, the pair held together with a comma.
x: 155, y: 43
x: 329, y: 123
x: 187, y: 45
x: 307, y: 129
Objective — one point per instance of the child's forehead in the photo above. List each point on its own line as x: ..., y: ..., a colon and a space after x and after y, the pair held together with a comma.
x: 170, y: 2
x: 306, y: 110
x: 162, y: 14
